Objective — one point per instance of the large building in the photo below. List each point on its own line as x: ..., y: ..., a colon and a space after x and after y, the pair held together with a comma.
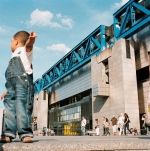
x: 115, y: 80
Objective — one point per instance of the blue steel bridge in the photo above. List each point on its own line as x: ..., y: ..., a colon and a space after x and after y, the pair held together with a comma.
x: 127, y: 21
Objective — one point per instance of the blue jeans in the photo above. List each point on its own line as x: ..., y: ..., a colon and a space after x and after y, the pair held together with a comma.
x: 18, y: 101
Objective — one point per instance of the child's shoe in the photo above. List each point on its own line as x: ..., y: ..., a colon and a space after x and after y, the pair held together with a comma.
x: 5, y: 139
x: 27, y: 139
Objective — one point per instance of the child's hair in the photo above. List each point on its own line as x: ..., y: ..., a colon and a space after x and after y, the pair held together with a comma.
x: 22, y: 36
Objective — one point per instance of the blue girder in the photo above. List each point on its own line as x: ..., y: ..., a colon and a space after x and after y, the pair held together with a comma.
x: 128, y: 20
x: 77, y: 57
x: 131, y: 18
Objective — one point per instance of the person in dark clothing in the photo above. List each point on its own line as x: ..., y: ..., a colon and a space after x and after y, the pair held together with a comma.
x: 107, y: 124
x: 104, y: 129
x: 126, y: 123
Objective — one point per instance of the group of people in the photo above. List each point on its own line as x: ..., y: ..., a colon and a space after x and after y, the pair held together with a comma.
x: 119, y: 125
x: 47, y: 132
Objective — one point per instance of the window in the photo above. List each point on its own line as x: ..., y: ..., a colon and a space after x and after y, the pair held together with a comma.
x: 143, y: 74
x: 70, y: 114
x: 44, y: 95
x: 128, y: 52
x: 106, y: 74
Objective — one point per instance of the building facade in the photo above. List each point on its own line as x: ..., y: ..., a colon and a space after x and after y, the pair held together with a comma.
x: 113, y: 82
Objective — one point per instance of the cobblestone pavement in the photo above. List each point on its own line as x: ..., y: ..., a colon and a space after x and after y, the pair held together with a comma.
x: 81, y: 143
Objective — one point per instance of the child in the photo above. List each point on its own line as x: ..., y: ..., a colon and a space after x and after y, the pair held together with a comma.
x: 18, y: 99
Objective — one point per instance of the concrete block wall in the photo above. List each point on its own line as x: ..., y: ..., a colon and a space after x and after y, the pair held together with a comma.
x: 98, y: 72
x: 141, y: 40
x: 142, y: 48
x: 122, y: 88
x: 123, y: 85
x: 40, y: 110
x: 98, y: 86
x: 141, y: 58
x: 100, y: 90
x: 143, y: 94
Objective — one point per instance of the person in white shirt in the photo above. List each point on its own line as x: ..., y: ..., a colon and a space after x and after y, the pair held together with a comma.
x: 18, y: 99
x: 121, y: 123
x: 97, y: 129
x: 83, y: 125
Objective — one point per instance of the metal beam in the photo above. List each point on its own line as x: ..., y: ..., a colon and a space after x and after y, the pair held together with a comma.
x: 131, y: 18
x: 128, y: 20
x: 77, y: 57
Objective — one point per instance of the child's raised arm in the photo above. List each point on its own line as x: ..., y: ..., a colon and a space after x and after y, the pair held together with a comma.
x: 30, y: 41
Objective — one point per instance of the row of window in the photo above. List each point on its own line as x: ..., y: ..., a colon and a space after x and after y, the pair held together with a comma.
x: 73, y: 110
x: 69, y: 114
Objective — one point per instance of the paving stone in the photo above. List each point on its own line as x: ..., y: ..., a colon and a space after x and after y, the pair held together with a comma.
x: 81, y: 143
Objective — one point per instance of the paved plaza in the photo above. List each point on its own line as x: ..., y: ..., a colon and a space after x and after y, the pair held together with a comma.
x: 81, y: 143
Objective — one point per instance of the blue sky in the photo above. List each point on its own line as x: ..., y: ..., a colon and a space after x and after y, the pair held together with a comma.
x: 60, y: 25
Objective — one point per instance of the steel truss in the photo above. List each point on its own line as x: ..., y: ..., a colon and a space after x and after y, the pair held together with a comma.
x: 128, y: 20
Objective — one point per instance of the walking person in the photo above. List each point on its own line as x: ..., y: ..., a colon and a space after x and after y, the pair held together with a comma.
x: 97, y: 130
x: 146, y: 124
x: 144, y: 121
x: 103, y: 122
x: 107, y: 124
x: 120, y: 123
x: 114, y: 125
x: 126, y: 123
x: 83, y: 125
x: 18, y: 99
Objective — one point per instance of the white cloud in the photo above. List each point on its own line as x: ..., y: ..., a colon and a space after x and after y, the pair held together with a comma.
x: 42, y: 18
x: 121, y: 3
x: 60, y: 47
x: 65, y: 21
x: 48, y: 19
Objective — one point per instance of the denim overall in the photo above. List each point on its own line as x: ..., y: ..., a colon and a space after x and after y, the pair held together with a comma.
x: 18, y: 101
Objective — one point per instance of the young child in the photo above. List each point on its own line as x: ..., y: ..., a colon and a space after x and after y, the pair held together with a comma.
x: 18, y: 99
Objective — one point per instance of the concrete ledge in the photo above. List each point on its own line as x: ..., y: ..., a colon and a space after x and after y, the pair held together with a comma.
x: 81, y: 143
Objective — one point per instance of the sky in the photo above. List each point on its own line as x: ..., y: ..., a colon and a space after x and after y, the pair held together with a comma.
x: 60, y: 25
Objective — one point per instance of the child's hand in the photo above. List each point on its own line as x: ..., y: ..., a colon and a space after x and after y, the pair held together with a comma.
x: 30, y: 41
x: 32, y: 36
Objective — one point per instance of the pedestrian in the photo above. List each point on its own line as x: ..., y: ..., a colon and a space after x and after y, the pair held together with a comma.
x: 107, y: 124
x: 97, y: 129
x: 146, y: 123
x: 103, y: 122
x: 18, y: 99
x: 44, y: 131
x: 143, y: 121
x: 120, y: 123
x: 83, y: 125
x: 126, y: 123
x: 114, y: 125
